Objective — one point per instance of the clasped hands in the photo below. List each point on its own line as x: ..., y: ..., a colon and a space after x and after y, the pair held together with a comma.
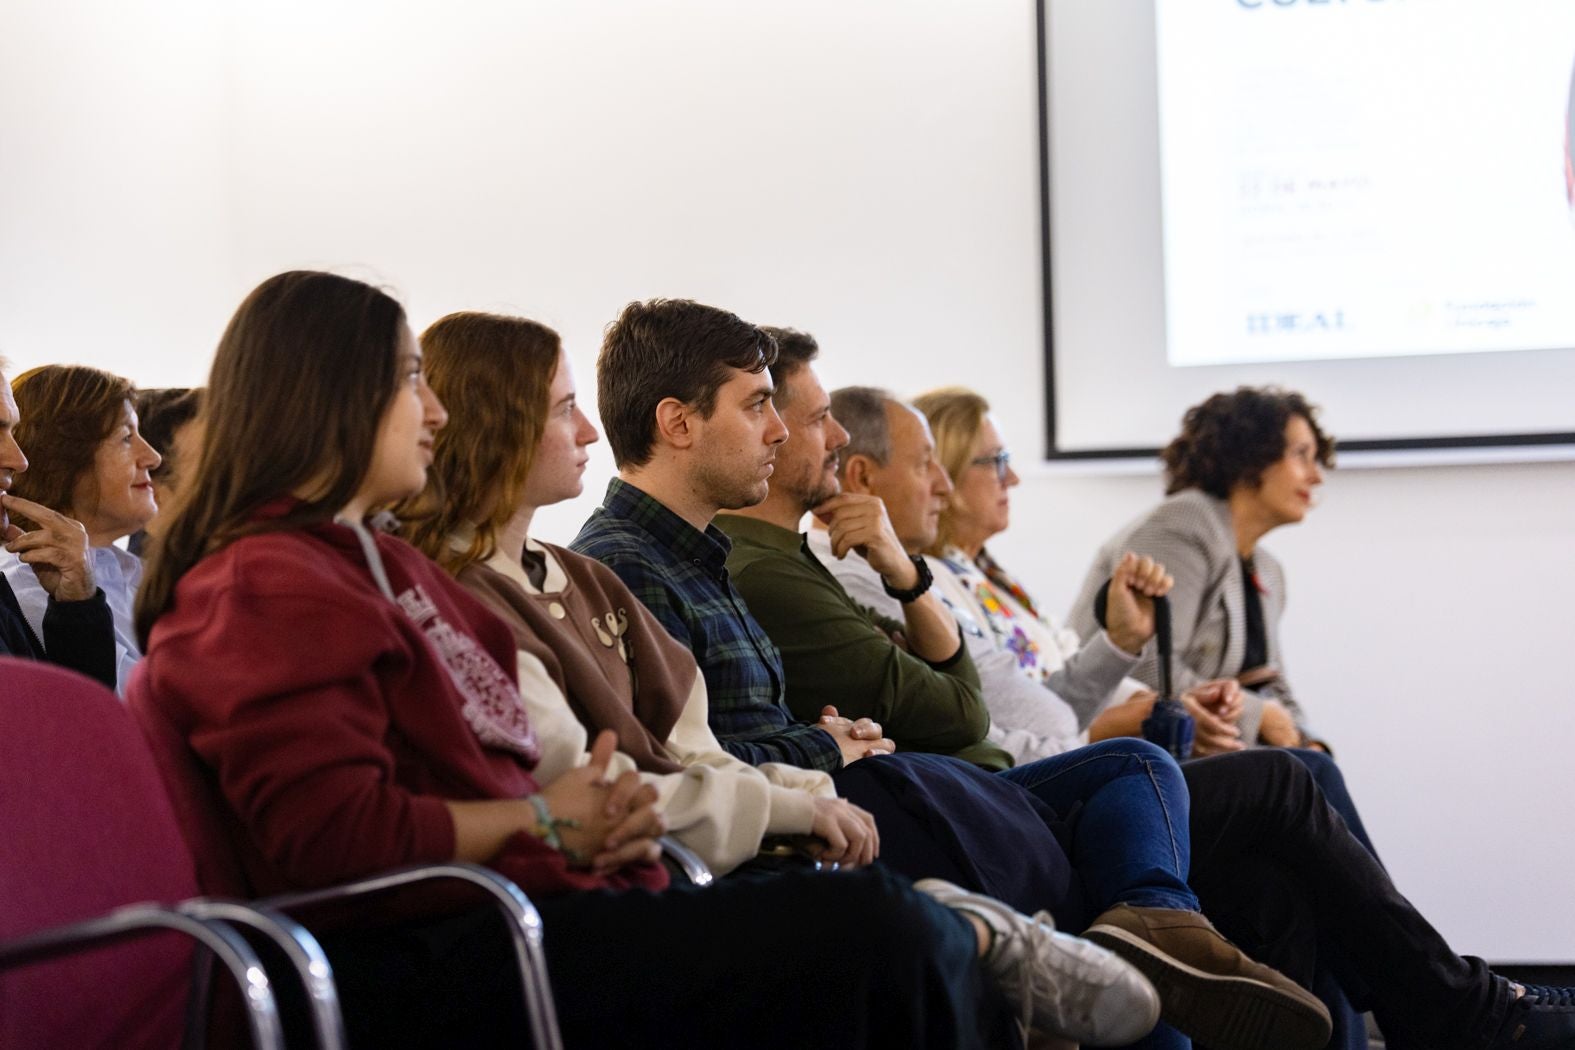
x: 857, y: 740
x: 614, y: 822
x: 1215, y: 708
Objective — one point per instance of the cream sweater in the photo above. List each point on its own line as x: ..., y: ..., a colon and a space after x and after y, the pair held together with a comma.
x: 717, y: 806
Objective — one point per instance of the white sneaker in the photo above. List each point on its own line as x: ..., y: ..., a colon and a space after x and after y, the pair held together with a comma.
x: 1061, y: 984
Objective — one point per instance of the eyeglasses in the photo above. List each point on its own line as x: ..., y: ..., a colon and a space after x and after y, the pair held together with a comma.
x: 1001, y: 461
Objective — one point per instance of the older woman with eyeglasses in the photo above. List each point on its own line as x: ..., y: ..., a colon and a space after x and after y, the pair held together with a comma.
x: 1089, y: 676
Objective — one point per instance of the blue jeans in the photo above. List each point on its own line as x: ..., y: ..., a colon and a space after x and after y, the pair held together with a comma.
x: 1128, y: 805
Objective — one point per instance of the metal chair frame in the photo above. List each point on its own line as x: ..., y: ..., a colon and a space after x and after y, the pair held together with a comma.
x: 234, y: 955
x: 521, y: 919
x: 687, y: 861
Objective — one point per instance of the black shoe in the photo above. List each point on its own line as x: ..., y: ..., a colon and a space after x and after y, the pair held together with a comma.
x: 1541, y: 1019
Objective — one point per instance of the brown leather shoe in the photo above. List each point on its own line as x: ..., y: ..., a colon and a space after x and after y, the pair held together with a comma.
x: 1207, y: 987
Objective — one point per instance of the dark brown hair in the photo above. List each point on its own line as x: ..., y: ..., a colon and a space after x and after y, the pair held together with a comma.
x: 160, y: 415
x: 300, y: 381
x: 67, y: 412
x: 494, y: 374
x: 795, y: 350
x: 1232, y: 438
x: 666, y: 348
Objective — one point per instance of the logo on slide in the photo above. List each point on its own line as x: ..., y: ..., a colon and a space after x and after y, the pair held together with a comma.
x: 1290, y: 322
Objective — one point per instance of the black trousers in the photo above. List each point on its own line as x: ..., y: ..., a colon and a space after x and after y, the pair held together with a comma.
x: 1281, y: 874
x: 792, y: 960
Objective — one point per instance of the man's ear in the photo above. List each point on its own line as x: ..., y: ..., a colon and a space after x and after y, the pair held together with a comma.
x: 858, y: 474
x: 676, y: 423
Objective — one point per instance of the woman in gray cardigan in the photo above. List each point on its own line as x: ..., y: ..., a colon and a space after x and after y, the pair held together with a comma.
x: 1245, y: 463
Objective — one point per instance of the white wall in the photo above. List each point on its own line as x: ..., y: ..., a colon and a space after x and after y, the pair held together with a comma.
x: 864, y: 170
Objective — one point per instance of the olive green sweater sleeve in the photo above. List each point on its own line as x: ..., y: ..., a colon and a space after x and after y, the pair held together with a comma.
x: 836, y: 652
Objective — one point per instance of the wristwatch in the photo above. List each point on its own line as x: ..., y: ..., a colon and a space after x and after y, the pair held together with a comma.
x: 917, y: 590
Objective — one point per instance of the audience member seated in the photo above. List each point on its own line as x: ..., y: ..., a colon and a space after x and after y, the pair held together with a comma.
x: 90, y: 461
x: 357, y: 709
x: 891, y: 455
x: 1089, y: 679
x: 1244, y: 464
x: 690, y: 415
x: 169, y: 422
x: 75, y: 628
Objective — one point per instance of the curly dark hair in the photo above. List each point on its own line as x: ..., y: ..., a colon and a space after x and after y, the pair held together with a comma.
x: 1233, y: 438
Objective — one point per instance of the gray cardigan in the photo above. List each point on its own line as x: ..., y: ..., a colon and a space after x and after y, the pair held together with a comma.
x: 1192, y: 534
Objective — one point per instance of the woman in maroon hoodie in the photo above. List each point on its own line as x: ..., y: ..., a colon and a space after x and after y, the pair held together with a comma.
x: 358, y: 710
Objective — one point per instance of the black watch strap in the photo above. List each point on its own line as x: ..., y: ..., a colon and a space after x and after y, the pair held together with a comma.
x: 917, y: 590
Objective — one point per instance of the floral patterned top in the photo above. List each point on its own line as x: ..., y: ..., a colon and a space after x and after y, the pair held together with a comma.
x: 1041, y: 646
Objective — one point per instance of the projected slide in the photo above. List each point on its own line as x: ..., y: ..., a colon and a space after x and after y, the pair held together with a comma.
x: 1366, y: 178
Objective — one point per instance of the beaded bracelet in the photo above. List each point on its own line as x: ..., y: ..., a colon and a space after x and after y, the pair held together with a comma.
x: 549, y: 826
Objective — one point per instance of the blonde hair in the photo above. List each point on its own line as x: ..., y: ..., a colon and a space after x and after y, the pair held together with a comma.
x: 956, y: 415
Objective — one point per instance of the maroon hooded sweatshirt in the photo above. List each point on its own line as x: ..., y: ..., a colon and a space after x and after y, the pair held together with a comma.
x: 337, y: 719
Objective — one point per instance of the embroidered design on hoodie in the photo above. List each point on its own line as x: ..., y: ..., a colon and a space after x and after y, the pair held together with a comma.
x: 492, y: 704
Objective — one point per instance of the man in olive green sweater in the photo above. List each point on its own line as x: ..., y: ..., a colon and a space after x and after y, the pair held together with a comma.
x: 913, y: 676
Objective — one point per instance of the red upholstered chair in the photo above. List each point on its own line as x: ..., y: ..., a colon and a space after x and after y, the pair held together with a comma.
x: 420, y: 890
x: 93, y: 953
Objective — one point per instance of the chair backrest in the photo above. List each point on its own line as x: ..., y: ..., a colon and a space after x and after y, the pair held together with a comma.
x: 85, y: 827
x: 199, y: 808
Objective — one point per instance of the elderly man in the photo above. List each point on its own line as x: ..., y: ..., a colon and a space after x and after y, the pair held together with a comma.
x: 890, y: 455
x: 696, y: 433
x: 79, y: 630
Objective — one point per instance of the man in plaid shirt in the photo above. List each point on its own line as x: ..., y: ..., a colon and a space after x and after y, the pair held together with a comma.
x: 680, y: 573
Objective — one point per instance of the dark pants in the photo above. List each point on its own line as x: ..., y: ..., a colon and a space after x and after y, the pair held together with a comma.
x: 944, y: 818
x: 1281, y: 874
x: 857, y: 959
x: 1326, y: 774
x: 1334, y: 981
